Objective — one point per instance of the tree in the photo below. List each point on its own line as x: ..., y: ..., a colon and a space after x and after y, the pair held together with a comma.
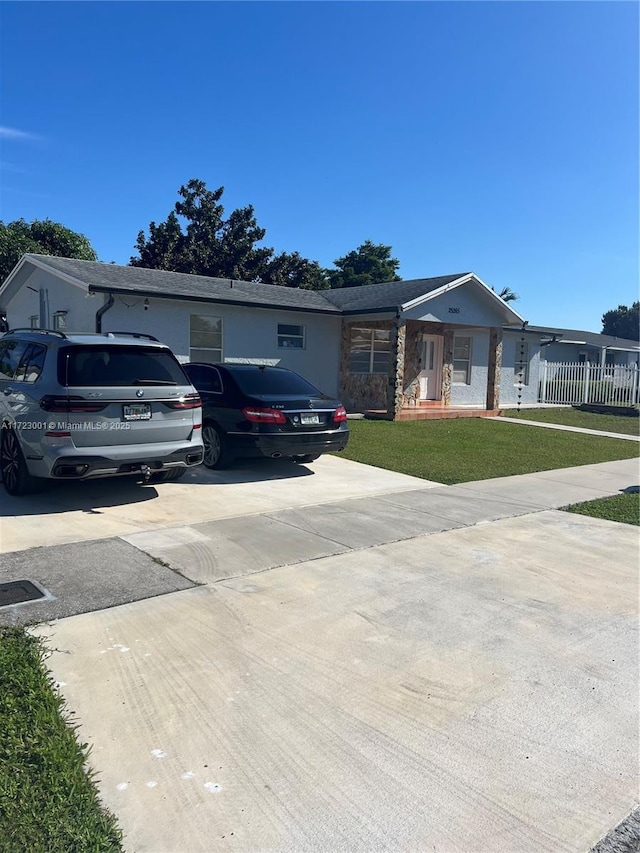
x: 624, y: 322
x: 208, y: 244
x: 507, y: 295
x: 368, y: 264
x: 41, y: 237
x: 292, y: 270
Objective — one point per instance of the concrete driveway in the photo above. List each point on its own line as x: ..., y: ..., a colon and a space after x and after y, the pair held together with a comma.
x: 469, y: 684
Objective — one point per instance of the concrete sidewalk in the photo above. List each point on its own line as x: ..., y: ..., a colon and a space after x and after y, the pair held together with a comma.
x: 449, y: 668
x: 100, y: 573
x: 565, y: 428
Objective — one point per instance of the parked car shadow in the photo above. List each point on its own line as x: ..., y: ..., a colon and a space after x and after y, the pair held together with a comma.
x: 256, y: 470
x: 94, y: 495
x: 89, y: 497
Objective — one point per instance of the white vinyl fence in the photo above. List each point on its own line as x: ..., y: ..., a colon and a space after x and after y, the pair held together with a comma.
x: 572, y: 384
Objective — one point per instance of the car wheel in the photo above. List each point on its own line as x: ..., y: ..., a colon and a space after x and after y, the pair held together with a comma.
x: 15, y: 475
x: 216, y: 454
x: 308, y: 457
x: 168, y: 476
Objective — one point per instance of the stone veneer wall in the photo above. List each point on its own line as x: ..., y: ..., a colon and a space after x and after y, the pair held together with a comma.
x: 360, y: 391
x: 413, y: 360
x: 412, y: 363
x: 390, y: 392
x: 495, y: 369
x: 447, y: 367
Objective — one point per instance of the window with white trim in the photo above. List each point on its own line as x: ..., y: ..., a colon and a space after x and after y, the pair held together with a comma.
x: 205, y: 338
x: 369, y: 351
x: 461, y: 360
x: 521, y: 363
x: 290, y: 337
x: 60, y: 321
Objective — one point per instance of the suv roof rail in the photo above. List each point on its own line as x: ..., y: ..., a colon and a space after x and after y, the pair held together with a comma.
x: 37, y: 331
x: 134, y: 335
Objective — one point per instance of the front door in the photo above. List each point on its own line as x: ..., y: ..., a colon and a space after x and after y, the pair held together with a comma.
x: 431, y: 373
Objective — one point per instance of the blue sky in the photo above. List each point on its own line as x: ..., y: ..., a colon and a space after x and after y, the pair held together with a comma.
x: 498, y: 137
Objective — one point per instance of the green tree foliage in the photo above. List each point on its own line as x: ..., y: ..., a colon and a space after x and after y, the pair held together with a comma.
x: 623, y: 322
x: 292, y: 270
x: 368, y: 264
x: 508, y: 295
x: 41, y: 237
x: 196, y: 238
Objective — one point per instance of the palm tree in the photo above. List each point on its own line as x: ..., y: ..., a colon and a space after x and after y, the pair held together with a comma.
x: 507, y: 294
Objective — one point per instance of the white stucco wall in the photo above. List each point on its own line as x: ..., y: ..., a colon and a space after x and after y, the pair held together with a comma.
x: 468, y: 305
x: 62, y: 296
x: 508, y: 388
x: 246, y: 333
x: 474, y: 394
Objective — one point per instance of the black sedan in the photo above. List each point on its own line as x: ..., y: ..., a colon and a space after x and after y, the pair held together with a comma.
x: 257, y: 410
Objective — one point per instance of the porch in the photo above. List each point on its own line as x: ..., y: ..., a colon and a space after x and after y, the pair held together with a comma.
x: 430, y: 411
x: 420, y: 370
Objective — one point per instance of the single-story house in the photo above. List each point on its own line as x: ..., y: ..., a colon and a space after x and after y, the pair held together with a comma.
x: 449, y: 342
x: 572, y: 346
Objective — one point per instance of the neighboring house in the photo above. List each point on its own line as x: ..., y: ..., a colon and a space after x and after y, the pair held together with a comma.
x: 449, y: 341
x: 572, y: 346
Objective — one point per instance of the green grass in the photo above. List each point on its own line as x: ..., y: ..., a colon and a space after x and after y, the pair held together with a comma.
x: 622, y: 508
x: 48, y: 802
x: 622, y: 424
x: 464, y: 449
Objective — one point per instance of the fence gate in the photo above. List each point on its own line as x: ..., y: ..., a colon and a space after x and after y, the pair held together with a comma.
x: 572, y: 384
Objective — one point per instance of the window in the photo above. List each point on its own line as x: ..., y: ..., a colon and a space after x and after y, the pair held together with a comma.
x: 10, y: 357
x: 369, y: 351
x: 206, y: 379
x: 290, y: 336
x: 60, y: 321
x: 31, y: 364
x: 462, y: 361
x: 521, y: 363
x: 118, y: 366
x: 34, y: 321
x: 205, y: 338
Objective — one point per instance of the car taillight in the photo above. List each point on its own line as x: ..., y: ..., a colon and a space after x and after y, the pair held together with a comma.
x: 263, y: 416
x: 189, y: 401
x: 340, y: 415
x: 51, y: 403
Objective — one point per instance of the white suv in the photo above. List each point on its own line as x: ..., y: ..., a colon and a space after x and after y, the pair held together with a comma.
x: 74, y: 407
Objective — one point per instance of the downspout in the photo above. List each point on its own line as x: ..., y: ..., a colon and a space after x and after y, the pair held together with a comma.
x: 103, y: 310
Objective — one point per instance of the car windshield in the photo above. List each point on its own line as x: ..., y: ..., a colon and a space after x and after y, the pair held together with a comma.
x: 119, y: 365
x: 269, y: 381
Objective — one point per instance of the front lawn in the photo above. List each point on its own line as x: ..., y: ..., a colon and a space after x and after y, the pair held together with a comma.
x: 464, y: 449
x: 623, y: 508
x: 48, y: 803
x: 623, y: 424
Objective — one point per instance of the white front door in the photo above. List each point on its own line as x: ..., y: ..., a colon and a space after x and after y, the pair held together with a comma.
x: 431, y: 373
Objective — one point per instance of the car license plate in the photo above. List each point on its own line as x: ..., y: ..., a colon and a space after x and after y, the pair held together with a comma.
x: 309, y: 419
x: 137, y: 412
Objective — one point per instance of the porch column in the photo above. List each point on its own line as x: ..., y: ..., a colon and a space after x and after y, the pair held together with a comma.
x: 447, y: 367
x: 495, y: 368
x: 395, y: 387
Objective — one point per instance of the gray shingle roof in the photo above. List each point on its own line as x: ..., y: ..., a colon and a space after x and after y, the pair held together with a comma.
x: 388, y: 295
x: 590, y: 338
x: 174, y: 285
